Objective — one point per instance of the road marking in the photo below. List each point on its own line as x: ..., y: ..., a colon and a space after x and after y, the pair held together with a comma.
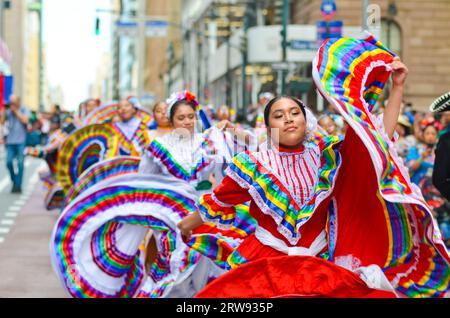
x: 11, y: 214
x: 7, y: 222
x: 2, y: 240
x: 4, y: 183
x: 15, y: 208
x: 20, y: 202
x: 4, y: 230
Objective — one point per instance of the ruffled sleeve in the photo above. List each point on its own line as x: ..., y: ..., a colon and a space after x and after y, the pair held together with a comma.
x: 148, y: 165
x: 219, y: 206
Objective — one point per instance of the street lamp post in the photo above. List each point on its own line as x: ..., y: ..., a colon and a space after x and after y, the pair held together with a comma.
x: 284, y: 43
x: 170, y: 56
x: 244, y: 53
x: 228, y: 73
x: 365, y: 6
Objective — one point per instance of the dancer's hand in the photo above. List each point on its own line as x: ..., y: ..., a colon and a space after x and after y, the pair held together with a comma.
x: 189, y: 223
x: 399, y: 72
x: 224, y: 124
x: 186, y: 234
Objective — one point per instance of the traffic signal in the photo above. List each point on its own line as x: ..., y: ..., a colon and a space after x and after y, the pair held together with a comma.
x: 97, y: 26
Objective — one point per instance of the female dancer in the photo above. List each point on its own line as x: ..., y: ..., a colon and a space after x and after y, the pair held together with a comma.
x: 132, y: 130
x: 161, y: 120
x: 350, y: 202
x: 97, y: 241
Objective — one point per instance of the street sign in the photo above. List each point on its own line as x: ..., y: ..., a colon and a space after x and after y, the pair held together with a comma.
x: 283, y: 66
x: 328, y: 9
x: 127, y: 28
x: 326, y: 30
x: 148, y: 98
x: 303, y: 45
x: 153, y: 28
x: 156, y: 28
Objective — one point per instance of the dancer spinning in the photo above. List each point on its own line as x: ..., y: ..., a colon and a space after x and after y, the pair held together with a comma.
x: 350, y: 202
x: 49, y: 152
x: 97, y: 242
x: 132, y: 130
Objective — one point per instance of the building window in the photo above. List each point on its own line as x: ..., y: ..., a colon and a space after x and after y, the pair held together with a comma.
x: 391, y: 35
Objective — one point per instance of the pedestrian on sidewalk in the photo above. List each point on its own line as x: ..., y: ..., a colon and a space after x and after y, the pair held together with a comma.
x: 15, y: 118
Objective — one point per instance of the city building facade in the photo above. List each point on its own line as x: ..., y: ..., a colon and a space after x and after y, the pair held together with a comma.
x: 223, y: 40
x: 162, y: 45
x: 21, y: 27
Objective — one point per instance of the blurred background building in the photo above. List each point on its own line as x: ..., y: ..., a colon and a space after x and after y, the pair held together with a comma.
x: 161, y: 37
x: 21, y: 30
x: 229, y: 51
x: 223, y: 38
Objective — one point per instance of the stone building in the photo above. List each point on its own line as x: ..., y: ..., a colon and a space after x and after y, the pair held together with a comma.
x: 418, y: 31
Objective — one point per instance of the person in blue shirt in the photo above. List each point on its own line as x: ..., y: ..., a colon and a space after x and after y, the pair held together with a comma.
x: 16, y: 119
x: 420, y: 161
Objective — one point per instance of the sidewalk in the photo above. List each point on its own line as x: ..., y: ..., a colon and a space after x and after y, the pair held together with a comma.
x: 25, y: 266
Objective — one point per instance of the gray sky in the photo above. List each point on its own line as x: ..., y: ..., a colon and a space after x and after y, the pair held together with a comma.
x: 73, y: 51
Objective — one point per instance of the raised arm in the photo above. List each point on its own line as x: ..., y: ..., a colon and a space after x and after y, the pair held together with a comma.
x: 392, y: 110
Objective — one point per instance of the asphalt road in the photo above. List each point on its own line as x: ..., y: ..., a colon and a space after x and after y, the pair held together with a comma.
x: 25, y: 230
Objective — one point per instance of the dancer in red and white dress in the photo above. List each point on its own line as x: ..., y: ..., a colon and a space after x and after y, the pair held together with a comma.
x: 315, y: 196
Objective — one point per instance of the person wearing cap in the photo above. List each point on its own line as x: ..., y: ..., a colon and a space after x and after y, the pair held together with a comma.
x: 405, y: 140
x: 441, y: 173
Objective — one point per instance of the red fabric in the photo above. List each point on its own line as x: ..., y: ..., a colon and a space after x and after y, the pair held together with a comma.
x: 361, y: 223
x: 230, y: 192
x: 290, y: 276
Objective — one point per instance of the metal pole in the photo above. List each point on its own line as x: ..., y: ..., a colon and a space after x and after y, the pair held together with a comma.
x: 284, y: 43
x: 141, y: 48
x: 228, y: 73
x: 41, y: 64
x: 244, y: 67
x: 365, y: 5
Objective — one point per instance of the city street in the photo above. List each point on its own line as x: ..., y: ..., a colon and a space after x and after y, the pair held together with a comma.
x: 224, y: 149
x: 25, y: 229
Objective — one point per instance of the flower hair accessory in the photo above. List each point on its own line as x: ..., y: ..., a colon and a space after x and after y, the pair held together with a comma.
x: 430, y: 121
x: 178, y: 96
